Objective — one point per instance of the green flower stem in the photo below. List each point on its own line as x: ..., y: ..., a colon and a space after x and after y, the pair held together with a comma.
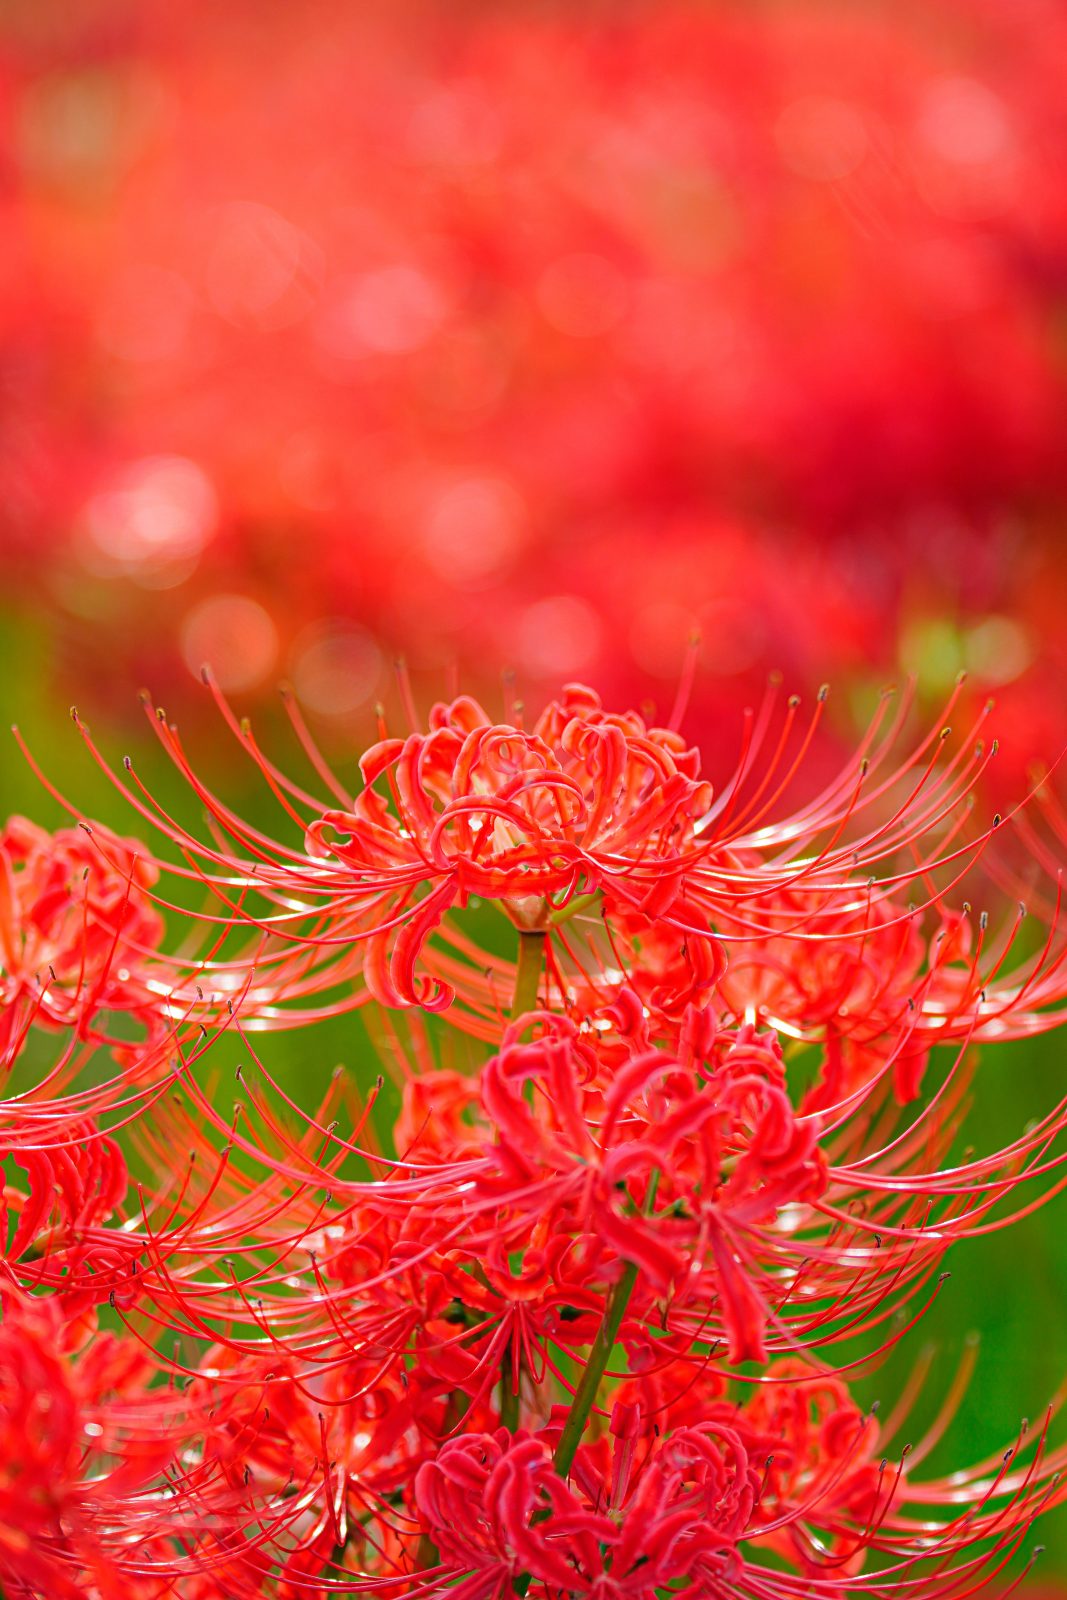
x: 586, y: 1392
x: 527, y: 982
x: 603, y: 1344
x: 528, y: 972
x: 509, y: 1399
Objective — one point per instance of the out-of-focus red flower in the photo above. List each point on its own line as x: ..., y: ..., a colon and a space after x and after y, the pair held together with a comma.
x: 538, y: 337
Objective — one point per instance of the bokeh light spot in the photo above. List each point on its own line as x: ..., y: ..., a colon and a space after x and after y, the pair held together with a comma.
x: 964, y: 122
x: 335, y: 668
x: 559, y: 635
x: 153, y: 523
x: 473, y: 529
x: 997, y: 649
x: 260, y: 269
x: 390, y: 311
x: 821, y: 138
x: 233, y: 635
x: 932, y: 649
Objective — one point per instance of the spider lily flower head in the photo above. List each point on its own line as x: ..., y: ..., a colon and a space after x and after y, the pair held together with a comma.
x: 316, y: 1441
x: 582, y: 801
x: 596, y: 834
x: 60, y: 1240
x: 497, y: 1509
x: 781, y: 1494
x: 75, y: 928
x: 645, y: 1159
x: 579, y: 1152
x: 751, y: 1227
x: 855, y: 991
x: 813, y: 1444
x: 586, y: 804
x: 82, y: 1442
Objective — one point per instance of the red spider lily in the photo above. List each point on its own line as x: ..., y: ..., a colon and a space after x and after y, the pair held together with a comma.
x: 72, y: 926
x: 512, y: 1231
x: 814, y: 1447
x: 691, y: 1504
x: 583, y: 802
x: 365, y: 893
x: 60, y: 1240
x: 589, y: 1144
x: 348, y: 1287
x: 570, y: 1328
x: 696, y: 1505
x: 83, y: 1446
x: 586, y: 802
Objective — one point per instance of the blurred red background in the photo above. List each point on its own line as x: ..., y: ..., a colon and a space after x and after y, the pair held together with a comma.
x: 537, y: 336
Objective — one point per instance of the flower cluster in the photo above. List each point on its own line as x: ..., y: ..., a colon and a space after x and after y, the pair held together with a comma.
x: 558, y: 1295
